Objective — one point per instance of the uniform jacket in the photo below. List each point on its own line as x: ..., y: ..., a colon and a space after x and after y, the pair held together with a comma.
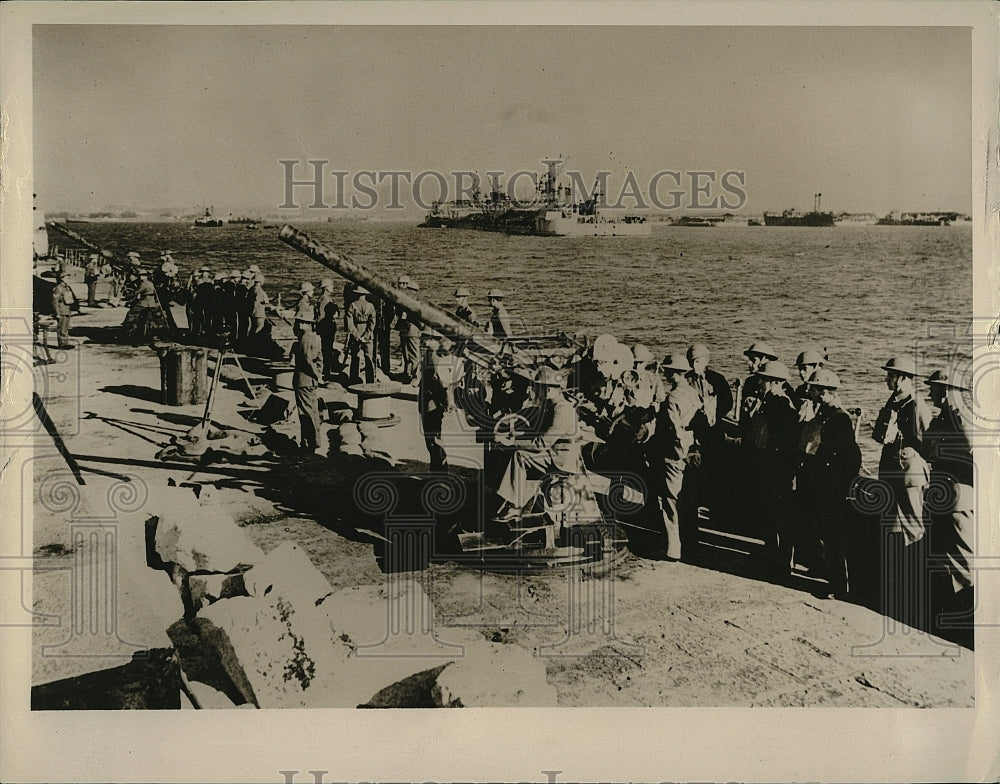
x: 673, y: 437
x: 499, y: 323
x: 60, y: 294
x: 714, y: 394
x: 307, y: 358
x: 947, y: 445
x: 361, y: 320
x: 900, y: 426
x: 829, y: 455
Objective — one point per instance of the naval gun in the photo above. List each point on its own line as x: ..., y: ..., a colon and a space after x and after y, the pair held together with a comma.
x: 520, y: 355
x: 571, y: 528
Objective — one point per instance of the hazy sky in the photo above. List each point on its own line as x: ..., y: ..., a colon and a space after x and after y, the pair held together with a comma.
x: 874, y: 118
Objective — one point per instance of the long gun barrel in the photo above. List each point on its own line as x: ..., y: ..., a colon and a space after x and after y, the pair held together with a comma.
x: 428, y: 313
x: 86, y: 243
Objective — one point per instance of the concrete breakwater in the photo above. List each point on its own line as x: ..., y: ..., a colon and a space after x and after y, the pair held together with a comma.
x: 295, y: 606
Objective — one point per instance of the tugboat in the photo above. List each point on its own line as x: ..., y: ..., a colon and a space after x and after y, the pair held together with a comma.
x: 208, y: 219
x: 552, y: 213
x: 793, y: 218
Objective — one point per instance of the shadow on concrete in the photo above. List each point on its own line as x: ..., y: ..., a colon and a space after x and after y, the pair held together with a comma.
x: 136, y: 392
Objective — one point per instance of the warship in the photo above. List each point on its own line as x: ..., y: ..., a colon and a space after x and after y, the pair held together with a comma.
x: 794, y: 218
x: 551, y: 213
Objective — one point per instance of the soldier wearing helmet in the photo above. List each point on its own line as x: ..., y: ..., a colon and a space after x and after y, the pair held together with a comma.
x: 499, y: 325
x: 900, y: 427
x: 669, y: 448
x: 462, y: 309
x: 953, y: 511
x: 774, y: 442
x: 327, y: 319
x: 554, y: 446
x: 360, y: 336
x: 828, y: 463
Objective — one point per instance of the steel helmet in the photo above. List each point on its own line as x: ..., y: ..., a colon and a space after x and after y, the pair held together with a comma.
x: 773, y: 370
x: 824, y: 379
x: 809, y: 357
x: 905, y: 366
x: 943, y: 378
x: 761, y: 348
x: 462, y: 292
x: 675, y: 362
x: 642, y: 354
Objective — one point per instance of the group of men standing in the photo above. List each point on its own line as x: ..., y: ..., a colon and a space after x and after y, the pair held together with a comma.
x: 230, y: 304
x: 789, y: 456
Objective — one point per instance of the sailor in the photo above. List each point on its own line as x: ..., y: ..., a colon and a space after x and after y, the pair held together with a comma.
x: 308, y: 363
x: 440, y: 372
x: 92, y: 276
x: 499, y: 325
x: 462, y: 309
x: 900, y: 427
x: 668, y: 454
x: 554, y: 446
x: 951, y: 503
x: 64, y: 301
x: 775, y: 437
x: 360, y: 336
x: 828, y: 463
x: 326, y: 327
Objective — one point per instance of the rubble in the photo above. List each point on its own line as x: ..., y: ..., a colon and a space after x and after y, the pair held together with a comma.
x: 287, y: 571
x: 198, y: 539
x: 492, y: 675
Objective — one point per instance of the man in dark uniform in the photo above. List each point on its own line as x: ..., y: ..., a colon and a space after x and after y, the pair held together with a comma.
x: 326, y: 328
x: 829, y: 461
x: 775, y: 438
x: 308, y: 362
x: 462, y: 309
x: 499, y: 325
x: 900, y: 427
x: 753, y: 387
x: 705, y: 483
x: 951, y: 503
x: 385, y: 319
x: 807, y: 362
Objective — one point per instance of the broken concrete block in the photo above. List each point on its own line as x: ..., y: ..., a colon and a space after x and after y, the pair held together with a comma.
x: 204, y: 589
x: 277, y: 655
x: 492, y: 675
x: 200, y: 539
x: 288, y: 572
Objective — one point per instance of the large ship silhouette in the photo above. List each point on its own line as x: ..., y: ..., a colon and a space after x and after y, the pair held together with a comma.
x: 551, y: 213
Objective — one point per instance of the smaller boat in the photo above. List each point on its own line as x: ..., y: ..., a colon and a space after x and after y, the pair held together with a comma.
x: 208, y: 219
